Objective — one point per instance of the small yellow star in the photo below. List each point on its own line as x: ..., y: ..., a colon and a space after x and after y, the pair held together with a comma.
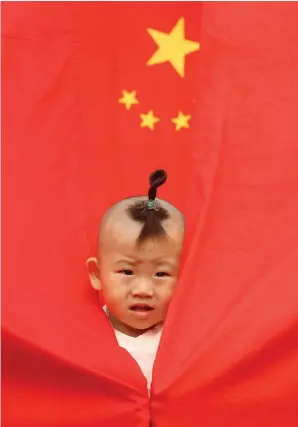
x: 128, y: 99
x: 149, y: 120
x: 172, y: 47
x: 181, y: 121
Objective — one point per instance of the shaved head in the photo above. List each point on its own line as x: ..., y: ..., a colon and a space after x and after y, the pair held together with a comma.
x: 117, y: 223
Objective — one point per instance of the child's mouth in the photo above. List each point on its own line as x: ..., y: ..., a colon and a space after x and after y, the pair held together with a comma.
x: 141, y: 308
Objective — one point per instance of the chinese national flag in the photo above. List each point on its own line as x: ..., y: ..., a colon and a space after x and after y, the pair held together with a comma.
x: 96, y: 95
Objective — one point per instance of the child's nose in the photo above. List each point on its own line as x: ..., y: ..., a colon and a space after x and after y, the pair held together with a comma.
x: 143, y: 288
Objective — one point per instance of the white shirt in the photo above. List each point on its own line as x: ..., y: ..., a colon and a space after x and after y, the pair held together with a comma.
x: 142, y: 348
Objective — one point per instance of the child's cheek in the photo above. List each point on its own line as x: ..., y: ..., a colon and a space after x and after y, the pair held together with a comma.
x: 166, y: 293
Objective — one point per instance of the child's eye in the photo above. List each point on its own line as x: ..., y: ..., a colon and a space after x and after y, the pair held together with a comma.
x: 161, y: 274
x: 126, y: 272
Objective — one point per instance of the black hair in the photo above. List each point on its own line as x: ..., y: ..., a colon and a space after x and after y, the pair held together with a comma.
x: 149, y: 211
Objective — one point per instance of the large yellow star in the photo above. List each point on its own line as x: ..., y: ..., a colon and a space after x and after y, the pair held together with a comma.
x: 128, y: 99
x: 149, y: 120
x: 181, y: 121
x: 172, y: 47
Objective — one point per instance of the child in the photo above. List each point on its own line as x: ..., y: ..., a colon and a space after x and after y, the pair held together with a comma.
x: 139, y: 247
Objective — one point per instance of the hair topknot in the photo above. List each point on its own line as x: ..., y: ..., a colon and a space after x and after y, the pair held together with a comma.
x: 156, y: 179
x: 151, y: 217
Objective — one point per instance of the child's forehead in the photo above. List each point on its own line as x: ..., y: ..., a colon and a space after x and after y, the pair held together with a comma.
x: 125, y: 239
x: 121, y: 239
x: 151, y: 250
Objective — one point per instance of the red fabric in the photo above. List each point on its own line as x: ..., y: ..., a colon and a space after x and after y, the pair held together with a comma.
x: 229, y: 352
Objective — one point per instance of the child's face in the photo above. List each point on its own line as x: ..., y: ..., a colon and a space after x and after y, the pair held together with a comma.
x: 138, y: 282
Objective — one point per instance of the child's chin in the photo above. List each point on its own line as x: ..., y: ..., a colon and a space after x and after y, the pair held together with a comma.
x: 144, y: 326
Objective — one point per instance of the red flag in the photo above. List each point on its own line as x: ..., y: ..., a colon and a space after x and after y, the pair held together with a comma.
x: 95, y: 96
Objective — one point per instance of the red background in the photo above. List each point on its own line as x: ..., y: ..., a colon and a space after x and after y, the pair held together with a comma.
x: 229, y: 355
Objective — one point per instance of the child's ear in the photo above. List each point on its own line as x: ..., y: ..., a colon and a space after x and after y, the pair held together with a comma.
x: 93, y: 270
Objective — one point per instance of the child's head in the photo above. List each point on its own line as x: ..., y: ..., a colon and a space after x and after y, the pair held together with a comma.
x: 139, y: 246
